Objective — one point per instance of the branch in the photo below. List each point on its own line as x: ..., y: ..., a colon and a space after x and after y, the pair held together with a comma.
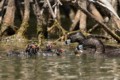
x: 49, y: 29
x: 93, y: 28
x: 64, y: 36
x: 59, y: 2
x: 43, y: 8
x: 106, y: 4
x: 116, y: 37
x: 51, y: 10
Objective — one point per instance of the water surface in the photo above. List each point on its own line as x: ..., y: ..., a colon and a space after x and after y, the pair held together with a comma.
x: 69, y: 67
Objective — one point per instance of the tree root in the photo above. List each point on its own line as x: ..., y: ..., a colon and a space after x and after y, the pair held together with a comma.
x: 57, y: 24
x: 64, y: 37
x: 105, y: 27
x: 93, y: 28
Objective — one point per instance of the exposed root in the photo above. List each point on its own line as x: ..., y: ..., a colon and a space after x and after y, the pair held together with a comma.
x: 57, y: 24
x: 93, y: 28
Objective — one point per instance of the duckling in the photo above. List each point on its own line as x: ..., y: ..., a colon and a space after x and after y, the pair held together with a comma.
x: 59, y: 52
x: 31, y: 49
x: 50, y: 51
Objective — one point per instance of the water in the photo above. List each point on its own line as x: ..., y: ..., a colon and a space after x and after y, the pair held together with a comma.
x: 69, y: 67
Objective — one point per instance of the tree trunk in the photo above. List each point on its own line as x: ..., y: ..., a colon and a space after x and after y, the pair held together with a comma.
x: 82, y: 24
x: 24, y: 25
x: 80, y: 17
x: 75, y: 21
x: 9, y: 16
x: 2, y: 3
x: 95, y: 12
x: 40, y: 21
x: 19, y: 8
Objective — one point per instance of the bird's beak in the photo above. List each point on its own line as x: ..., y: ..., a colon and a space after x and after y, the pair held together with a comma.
x: 67, y: 42
x: 79, y: 47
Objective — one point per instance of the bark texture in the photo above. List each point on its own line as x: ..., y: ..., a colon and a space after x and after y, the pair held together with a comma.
x: 25, y: 20
x: 8, y: 17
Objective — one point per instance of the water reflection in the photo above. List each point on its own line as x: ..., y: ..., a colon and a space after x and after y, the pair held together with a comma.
x: 57, y: 68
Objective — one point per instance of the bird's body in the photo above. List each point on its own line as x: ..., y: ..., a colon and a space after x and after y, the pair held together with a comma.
x: 33, y: 50
x: 97, y: 47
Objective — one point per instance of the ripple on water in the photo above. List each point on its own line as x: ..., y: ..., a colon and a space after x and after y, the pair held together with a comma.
x: 56, y: 68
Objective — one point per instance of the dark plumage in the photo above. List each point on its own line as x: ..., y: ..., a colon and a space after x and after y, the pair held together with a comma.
x: 50, y: 51
x: 93, y: 43
x: 32, y: 49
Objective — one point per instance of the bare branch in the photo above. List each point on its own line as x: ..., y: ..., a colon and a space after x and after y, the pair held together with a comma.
x: 59, y: 2
x: 107, y: 5
x: 105, y: 27
x: 51, y: 10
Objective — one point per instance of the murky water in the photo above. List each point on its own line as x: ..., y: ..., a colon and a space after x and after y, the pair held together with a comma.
x: 69, y: 67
